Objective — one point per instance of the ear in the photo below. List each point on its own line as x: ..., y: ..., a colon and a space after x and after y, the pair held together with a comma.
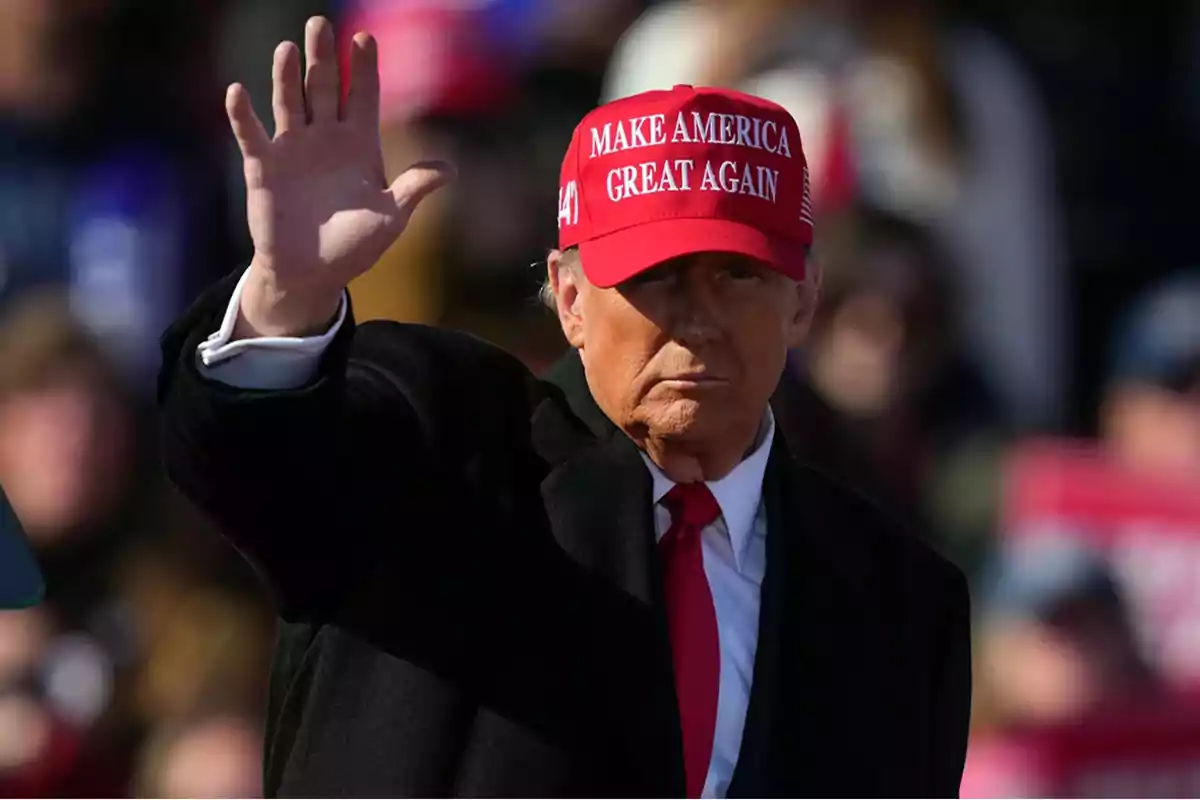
x: 566, y: 280
x: 808, y: 293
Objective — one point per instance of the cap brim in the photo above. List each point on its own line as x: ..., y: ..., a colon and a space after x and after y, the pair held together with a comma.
x: 20, y: 579
x: 617, y: 257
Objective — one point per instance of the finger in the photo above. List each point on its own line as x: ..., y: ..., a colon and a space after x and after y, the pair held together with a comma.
x: 362, y: 102
x: 251, y: 136
x: 287, y: 93
x: 418, y: 182
x: 321, y: 76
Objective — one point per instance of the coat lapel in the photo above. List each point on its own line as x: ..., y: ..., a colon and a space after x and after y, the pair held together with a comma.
x: 797, y: 689
x: 599, y: 500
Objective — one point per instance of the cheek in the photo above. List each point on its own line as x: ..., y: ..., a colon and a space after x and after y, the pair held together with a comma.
x: 619, y: 345
x: 623, y: 333
x: 760, y: 338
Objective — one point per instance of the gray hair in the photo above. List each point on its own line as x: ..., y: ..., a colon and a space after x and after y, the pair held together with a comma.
x: 570, y: 260
x: 546, y: 294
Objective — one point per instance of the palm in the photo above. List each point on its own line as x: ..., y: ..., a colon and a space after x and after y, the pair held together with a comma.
x: 319, y: 208
x: 318, y: 203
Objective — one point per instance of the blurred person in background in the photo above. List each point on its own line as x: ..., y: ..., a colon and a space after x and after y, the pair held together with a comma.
x: 37, y: 749
x: 130, y: 631
x: 1070, y: 678
x: 884, y: 393
x: 911, y: 111
x: 45, y: 749
x: 68, y: 449
x: 69, y: 465
x: 1067, y: 702
x: 215, y: 755
x: 104, y: 182
x: 1150, y: 415
x: 1150, y: 423
x: 1056, y: 640
x: 204, y: 640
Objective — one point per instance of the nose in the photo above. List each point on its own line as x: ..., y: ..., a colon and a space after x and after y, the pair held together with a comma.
x: 696, y: 307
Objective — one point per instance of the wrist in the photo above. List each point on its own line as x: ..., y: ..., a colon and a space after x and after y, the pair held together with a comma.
x: 268, y: 309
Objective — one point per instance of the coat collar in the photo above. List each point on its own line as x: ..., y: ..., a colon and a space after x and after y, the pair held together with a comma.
x: 568, y: 377
x: 598, y: 494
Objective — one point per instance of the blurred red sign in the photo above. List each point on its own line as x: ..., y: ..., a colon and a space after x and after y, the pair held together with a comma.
x: 434, y: 57
x: 1145, y: 752
x: 1148, y: 526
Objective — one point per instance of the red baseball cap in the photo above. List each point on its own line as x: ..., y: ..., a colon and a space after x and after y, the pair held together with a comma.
x: 664, y: 174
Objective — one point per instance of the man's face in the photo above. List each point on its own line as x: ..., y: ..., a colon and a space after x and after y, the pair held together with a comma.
x: 1054, y: 668
x: 48, y: 51
x: 64, y: 454
x: 1153, y: 427
x: 689, y: 351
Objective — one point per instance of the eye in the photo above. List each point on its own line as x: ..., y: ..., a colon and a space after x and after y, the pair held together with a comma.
x: 743, y: 272
x: 657, y: 275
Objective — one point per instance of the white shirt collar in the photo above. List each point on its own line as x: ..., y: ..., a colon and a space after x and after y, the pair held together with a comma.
x: 738, y: 494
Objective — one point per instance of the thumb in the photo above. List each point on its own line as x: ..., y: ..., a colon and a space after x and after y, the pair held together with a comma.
x: 418, y: 182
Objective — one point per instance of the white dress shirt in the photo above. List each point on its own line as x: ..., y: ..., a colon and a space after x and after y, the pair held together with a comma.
x: 733, y: 547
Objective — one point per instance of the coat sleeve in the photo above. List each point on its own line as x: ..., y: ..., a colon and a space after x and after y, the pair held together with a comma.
x: 320, y: 485
x: 952, y: 692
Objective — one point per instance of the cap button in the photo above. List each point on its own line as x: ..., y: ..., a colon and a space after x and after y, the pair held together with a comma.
x: 683, y: 87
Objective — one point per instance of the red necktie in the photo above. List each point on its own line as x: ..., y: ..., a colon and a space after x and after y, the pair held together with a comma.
x: 695, y: 647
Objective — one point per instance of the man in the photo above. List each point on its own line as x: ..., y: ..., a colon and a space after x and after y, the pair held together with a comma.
x: 464, y: 557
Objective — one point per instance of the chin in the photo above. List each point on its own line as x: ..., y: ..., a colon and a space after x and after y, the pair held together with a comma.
x: 688, y: 418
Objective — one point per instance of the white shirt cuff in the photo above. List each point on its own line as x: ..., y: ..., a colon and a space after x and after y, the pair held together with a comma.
x: 266, y: 362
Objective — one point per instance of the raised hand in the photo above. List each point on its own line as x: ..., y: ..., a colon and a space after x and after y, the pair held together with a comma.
x: 319, y: 207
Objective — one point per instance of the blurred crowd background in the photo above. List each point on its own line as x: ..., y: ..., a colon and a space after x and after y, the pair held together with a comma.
x: 1007, y: 353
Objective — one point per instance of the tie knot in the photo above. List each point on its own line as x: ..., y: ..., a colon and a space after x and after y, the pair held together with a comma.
x: 692, y: 504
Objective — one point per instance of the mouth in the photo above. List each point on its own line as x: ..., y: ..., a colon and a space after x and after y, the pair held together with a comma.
x: 693, y: 379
